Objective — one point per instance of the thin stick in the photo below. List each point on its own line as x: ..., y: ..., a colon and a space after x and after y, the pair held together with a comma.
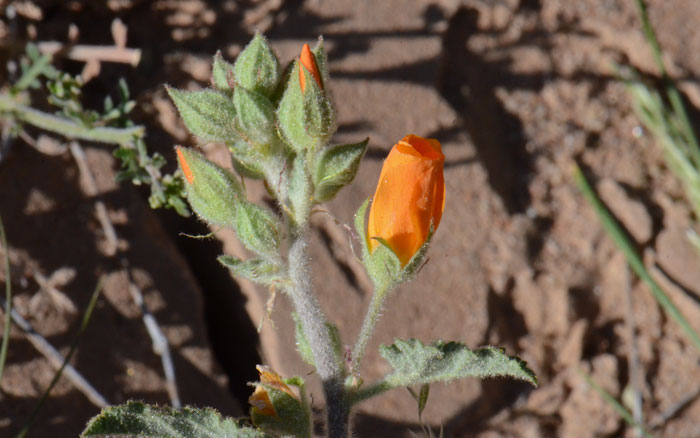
x: 92, y: 191
x: 8, y: 300
x: 621, y: 411
x: 64, y: 365
x: 86, y: 53
x: 56, y: 359
x: 160, y: 342
x: 671, y: 412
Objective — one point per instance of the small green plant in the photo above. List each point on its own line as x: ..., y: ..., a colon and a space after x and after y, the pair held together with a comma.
x: 73, y: 121
x: 277, y: 125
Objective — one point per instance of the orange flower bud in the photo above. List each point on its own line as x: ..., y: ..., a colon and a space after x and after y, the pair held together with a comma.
x: 410, y: 196
x: 260, y: 399
x: 308, y: 61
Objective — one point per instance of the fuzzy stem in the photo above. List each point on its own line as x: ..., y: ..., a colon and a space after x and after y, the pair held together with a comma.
x: 66, y: 127
x: 315, y: 327
x: 371, y: 318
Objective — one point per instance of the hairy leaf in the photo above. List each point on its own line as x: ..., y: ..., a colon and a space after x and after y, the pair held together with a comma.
x: 139, y: 420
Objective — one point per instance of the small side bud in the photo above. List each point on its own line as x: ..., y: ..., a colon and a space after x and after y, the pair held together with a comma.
x: 306, y: 119
x: 275, y: 407
x: 221, y: 74
x: 208, y: 114
x: 257, y: 67
x: 213, y: 192
x: 255, y: 116
x: 257, y: 229
x: 335, y: 168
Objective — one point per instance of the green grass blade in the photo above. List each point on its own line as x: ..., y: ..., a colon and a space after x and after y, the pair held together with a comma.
x: 623, y: 242
x: 674, y: 97
x: 8, y: 301
x: 73, y: 347
x: 616, y: 405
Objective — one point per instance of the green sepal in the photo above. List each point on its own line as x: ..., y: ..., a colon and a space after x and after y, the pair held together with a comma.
x: 257, y: 67
x: 255, y: 116
x: 319, y: 53
x: 319, y: 116
x: 335, y: 168
x: 361, y: 229
x: 290, y: 418
x: 258, y: 160
x: 300, y: 189
x: 244, y: 161
x: 257, y: 229
x: 214, y: 193
x: 259, y: 271
x: 383, y: 265
x: 208, y: 114
x: 138, y: 420
x: 306, y: 120
x: 221, y: 74
x: 418, y: 258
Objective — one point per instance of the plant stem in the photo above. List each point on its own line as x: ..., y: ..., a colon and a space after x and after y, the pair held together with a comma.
x: 371, y: 318
x: 315, y: 327
x: 66, y: 127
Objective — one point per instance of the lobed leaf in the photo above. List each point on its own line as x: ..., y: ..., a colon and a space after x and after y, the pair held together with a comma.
x: 416, y: 363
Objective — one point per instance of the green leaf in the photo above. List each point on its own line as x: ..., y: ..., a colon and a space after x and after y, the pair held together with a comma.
x: 336, y: 167
x: 421, y: 398
x: 208, y: 114
x: 221, y: 72
x: 258, y: 271
x: 257, y: 67
x: 257, y: 229
x: 255, y: 115
x: 416, y: 363
x: 138, y: 420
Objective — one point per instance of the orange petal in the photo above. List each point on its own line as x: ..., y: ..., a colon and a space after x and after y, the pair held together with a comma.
x: 410, y: 196
x: 309, y: 62
x: 184, y: 165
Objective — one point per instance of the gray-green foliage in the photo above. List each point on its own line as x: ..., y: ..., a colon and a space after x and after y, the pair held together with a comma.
x: 207, y: 113
x: 138, y: 420
x: 335, y: 167
x: 216, y: 193
x: 416, y: 363
x: 72, y: 120
x: 259, y: 271
x: 257, y: 67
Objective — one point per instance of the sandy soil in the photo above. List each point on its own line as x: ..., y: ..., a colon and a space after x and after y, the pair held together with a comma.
x: 517, y: 91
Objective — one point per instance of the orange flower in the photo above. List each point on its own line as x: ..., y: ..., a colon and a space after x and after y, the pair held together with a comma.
x: 308, y: 61
x: 410, y: 196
